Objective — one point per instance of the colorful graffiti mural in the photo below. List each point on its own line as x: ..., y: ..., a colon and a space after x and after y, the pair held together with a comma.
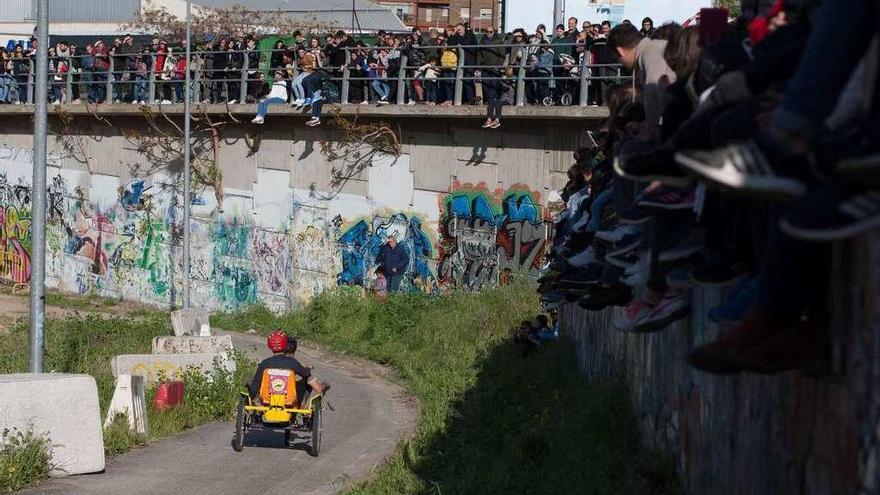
x: 233, y: 277
x: 487, y: 234
x: 360, y: 244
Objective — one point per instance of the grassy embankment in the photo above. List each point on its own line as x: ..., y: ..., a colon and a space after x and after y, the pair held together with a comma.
x: 491, y: 422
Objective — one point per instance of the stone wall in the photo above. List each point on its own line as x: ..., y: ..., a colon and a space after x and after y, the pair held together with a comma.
x: 470, y: 204
x: 756, y: 435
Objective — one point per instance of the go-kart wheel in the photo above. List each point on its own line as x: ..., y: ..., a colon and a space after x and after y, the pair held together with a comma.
x: 238, y: 438
x: 317, y: 428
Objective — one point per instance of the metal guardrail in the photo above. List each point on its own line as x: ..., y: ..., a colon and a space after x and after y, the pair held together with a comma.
x: 566, y: 83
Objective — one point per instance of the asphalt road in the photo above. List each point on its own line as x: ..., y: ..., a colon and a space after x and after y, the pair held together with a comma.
x: 371, y: 416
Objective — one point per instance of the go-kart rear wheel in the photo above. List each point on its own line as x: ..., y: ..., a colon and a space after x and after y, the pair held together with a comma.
x: 317, y: 428
x: 238, y: 438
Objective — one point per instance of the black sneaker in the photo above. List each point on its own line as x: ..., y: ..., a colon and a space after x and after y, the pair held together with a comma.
x: 743, y: 168
x: 845, y: 218
x: 605, y: 296
x: 657, y: 164
x: 665, y: 198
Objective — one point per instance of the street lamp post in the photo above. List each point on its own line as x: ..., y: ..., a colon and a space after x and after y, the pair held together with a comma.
x: 187, y: 201
x: 38, y: 202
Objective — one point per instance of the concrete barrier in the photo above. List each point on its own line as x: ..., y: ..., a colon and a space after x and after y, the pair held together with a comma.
x: 190, y: 322
x: 170, y: 366
x: 192, y: 345
x: 64, y: 406
x: 129, y: 399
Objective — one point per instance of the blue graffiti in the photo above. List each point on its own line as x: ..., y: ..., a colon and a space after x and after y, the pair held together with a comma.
x: 132, y: 195
x: 517, y: 207
x: 360, y: 246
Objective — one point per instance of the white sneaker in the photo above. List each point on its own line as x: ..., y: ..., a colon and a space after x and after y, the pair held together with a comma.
x: 672, y: 307
x: 411, y: 102
x: 299, y: 102
x: 258, y: 120
x: 233, y: 102
x: 632, y: 315
x: 165, y: 102
x: 56, y: 102
x: 135, y: 102
x: 313, y: 122
x: 365, y: 102
x: 583, y: 258
x: 617, y: 233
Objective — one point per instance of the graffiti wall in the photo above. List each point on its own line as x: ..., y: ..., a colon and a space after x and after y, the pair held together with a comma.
x: 486, y: 235
x: 271, y: 243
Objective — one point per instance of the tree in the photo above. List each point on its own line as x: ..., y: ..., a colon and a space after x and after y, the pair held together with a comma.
x: 734, y: 7
x: 213, y: 22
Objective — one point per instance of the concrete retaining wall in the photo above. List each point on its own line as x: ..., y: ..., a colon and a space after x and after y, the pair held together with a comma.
x: 170, y: 366
x: 756, y: 435
x: 64, y: 406
x: 190, y: 345
x: 470, y: 205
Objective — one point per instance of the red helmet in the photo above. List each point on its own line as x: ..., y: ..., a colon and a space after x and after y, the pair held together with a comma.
x: 277, y: 341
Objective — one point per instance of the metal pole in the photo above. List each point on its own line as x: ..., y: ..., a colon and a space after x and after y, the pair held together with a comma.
x: 187, y: 230
x: 558, y: 13
x: 38, y: 203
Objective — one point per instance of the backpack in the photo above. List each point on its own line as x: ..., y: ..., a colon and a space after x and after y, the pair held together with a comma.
x: 449, y: 60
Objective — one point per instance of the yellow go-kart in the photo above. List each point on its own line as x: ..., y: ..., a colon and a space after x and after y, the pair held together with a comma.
x: 279, y: 409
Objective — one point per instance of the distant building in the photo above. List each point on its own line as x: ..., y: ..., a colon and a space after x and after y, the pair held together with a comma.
x: 480, y: 14
x: 74, y: 18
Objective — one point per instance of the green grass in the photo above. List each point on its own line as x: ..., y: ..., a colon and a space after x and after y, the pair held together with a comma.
x: 491, y: 422
x: 86, y: 344
x: 25, y: 459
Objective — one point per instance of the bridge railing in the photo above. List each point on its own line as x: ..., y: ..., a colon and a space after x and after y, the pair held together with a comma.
x: 557, y: 74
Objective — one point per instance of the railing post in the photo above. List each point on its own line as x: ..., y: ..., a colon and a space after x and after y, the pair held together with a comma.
x: 521, y: 78
x: 197, y: 89
x: 109, y: 98
x: 401, y: 81
x: 343, y: 97
x: 68, y: 83
x: 459, y: 73
x: 31, y: 82
x: 242, y: 90
x: 152, y: 84
x: 584, y: 85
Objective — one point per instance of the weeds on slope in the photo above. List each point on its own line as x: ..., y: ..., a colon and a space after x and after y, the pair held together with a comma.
x: 86, y: 344
x: 491, y: 422
x: 25, y: 459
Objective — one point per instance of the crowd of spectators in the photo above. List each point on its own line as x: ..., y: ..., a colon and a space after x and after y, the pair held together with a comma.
x: 233, y: 69
x: 730, y: 161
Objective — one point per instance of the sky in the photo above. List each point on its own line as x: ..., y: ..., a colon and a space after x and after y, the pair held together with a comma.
x: 529, y: 13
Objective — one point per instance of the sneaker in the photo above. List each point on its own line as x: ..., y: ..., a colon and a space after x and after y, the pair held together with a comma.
x: 487, y: 124
x: 626, y: 260
x: 382, y: 102
x: 665, y: 198
x: 679, y: 278
x: 583, y: 258
x: 298, y: 102
x: 742, y: 167
x: 657, y: 164
x: 496, y: 124
x: 313, y: 122
x: 365, y: 102
x: 602, y: 297
x: 692, y: 243
x: 411, y: 102
x: 635, y: 215
x: 673, y: 307
x: 617, y: 234
x: 845, y: 218
x: 231, y: 102
x: 258, y: 120
x: 734, y: 309
x: 56, y: 102
x: 632, y: 315
x: 135, y: 102
x: 626, y: 245
x: 168, y: 102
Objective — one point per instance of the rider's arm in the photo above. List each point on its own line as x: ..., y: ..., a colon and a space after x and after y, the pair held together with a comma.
x: 258, y: 378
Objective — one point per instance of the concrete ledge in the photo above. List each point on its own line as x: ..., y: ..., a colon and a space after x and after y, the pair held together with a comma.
x: 189, y: 321
x: 192, y: 345
x: 532, y: 112
x: 152, y: 366
x: 65, y: 406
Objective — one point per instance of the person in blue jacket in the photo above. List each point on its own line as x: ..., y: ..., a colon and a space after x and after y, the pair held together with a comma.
x: 394, y: 260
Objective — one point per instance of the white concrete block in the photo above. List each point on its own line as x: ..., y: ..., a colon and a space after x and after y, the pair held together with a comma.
x: 63, y: 405
x: 192, y: 345
x: 129, y: 399
x: 189, y: 321
x: 154, y: 366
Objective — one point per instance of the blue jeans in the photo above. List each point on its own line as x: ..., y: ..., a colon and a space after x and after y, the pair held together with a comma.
x: 263, y: 106
x: 141, y: 89
x: 98, y: 90
x: 381, y: 87
x: 842, y: 36
x: 602, y: 199
x: 6, y: 84
x: 394, y: 282
x: 430, y: 90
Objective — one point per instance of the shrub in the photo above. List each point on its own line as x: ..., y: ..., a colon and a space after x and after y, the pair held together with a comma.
x: 25, y: 458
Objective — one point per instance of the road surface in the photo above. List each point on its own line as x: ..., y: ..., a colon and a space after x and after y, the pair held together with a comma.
x: 371, y: 416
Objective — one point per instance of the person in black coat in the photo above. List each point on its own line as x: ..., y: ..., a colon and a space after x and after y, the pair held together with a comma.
x: 394, y: 260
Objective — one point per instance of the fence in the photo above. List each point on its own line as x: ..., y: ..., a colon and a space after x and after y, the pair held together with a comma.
x: 570, y: 80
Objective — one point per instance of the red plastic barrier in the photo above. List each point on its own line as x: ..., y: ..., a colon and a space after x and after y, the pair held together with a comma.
x: 169, y: 394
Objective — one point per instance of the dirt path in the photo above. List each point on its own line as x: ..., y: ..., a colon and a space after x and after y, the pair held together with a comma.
x: 371, y: 416
x: 14, y: 306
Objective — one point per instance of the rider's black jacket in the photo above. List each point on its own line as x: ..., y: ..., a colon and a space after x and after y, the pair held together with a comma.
x: 278, y: 361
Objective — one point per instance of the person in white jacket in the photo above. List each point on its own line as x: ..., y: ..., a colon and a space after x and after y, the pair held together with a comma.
x: 278, y: 95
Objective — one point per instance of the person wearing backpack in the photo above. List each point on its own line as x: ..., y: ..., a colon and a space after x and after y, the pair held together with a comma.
x: 448, y: 67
